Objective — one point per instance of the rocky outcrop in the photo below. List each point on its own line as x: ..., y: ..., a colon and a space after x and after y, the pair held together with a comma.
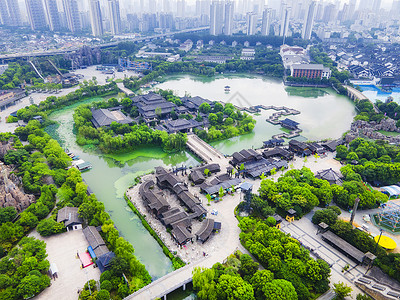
x: 10, y: 193
x: 5, y: 146
x: 370, y: 130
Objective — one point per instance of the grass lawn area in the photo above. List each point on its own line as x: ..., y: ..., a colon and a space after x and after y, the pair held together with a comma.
x: 389, y: 133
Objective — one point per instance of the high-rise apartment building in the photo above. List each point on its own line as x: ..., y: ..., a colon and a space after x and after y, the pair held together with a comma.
x: 285, y: 22
x: 251, y: 22
x: 376, y: 6
x: 181, y: 8
x: 96, y: 18
x: 329, y: 13
x: 266, y: 21
x: 53, y: 16
x: 36, y: 15
x: 216, y: 17
x: 115, y: 16
x: 72, y: 15
x: 228, y: 22
x: 9, y: 13
x: 309, y: 21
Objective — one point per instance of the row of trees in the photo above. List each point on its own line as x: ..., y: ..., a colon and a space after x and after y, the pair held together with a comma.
x: 16, y: 74
x: 301, y: 191
x: 23, y: 272
x: 366, y: 111
x: 299, y: 275
x: 41, y: 160
x: 372, y: 161
x: 51, y: 103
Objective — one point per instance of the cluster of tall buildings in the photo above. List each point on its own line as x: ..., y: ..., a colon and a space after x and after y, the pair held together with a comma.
x: 49, y: 15
x: 265, y: 17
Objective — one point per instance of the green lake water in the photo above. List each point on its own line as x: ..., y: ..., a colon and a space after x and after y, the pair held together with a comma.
x: 323, y: 114
x: 109, y: 179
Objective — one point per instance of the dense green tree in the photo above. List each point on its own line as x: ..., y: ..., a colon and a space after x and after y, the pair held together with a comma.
x: 7, y: 214
x: 234, y: 287
x: 205, y: 108
x: 341, y: 290
x: 279, y: 289
x: 328, y: 216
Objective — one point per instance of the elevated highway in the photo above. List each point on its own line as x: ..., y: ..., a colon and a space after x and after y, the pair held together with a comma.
x: 73, y: 50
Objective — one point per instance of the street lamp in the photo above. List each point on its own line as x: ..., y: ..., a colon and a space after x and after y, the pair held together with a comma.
x: 380, y: 235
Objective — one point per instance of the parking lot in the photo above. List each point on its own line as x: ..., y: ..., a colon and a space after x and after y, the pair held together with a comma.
x: 61, y: 250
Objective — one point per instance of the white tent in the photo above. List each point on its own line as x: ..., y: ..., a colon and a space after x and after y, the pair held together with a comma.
x: 53, y: 269
x: 392, y: 190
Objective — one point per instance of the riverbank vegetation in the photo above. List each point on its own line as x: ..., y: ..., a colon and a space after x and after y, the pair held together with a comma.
x: 122, y: 137
x: 42, y: 161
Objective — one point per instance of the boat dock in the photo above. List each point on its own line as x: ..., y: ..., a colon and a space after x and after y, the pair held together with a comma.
x: 78, y: 163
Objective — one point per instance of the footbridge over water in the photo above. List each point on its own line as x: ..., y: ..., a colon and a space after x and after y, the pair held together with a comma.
x: 203, y: 150
x: 356, y: 95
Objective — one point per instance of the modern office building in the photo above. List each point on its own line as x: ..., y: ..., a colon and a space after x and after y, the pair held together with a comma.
x: 266, y: 21
x: 36, y: 16
x: 72, y: 15
x: 251, y: 22
x: 96, y: 18
x: 115, y: 16
x: 216, y: 17
x: 53, y: 16
x: 309, y: 21
x: 228, y: 22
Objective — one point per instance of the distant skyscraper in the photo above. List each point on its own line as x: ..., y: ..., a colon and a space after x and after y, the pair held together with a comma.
x: 95, y: 18
x: 115, y: 16
x: 181, y: 8
x: 395, y: 8
x: 228, y: 24
x: 53, y: 16
x: 72, y: 15
x: 9, y: 13
x: 251, y: 21
x: 352, y: 9
x: 4, y: 16
x: 216, y: 17
x: 309, y: 21
x: 266, y: 21
x: 36, y: 15
x: 329, y: 13
x: 376, y: 6
x: 285, y: 22
x: 166, y: 6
